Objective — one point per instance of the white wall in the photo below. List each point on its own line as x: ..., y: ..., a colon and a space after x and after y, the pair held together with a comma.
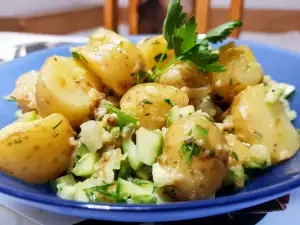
x: 9, y: 8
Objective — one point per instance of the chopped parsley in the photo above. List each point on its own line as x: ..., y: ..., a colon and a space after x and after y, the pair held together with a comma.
x: 188, y: 151
x: 234, y: 155
x: 169, y: 101
x: 146, y: 101
x: 57, y: 124
x: 102, y: 190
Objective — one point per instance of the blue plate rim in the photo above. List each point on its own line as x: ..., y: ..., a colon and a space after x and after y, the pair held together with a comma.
x: 273, y: 190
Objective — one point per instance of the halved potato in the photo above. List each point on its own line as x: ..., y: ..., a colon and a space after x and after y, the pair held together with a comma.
x: 113, y: 58
x: 204, y: 175
x: 258, y: 122
x: 65, y: 86
x: 242, y: 70
x: 151, y: 102
x: 152, y: 48
x: 37, y: 151
x: 183, y: 74
x: 24, y: 92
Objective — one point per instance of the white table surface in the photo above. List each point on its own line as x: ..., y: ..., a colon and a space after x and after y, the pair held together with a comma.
x: 13, y: 212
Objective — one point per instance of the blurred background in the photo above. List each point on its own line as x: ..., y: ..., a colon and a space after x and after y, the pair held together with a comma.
x: 267, y: 21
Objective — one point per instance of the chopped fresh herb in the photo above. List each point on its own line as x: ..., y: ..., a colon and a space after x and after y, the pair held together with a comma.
x: 132, y: 74
x: 78, y: 56
x: 265, y: 84
x: 188, y: 151
x: 10, y: 98
x: 181, y: 36
x: 169, y: 101
x: 123, y: 119
x: 57, y: 124
x: 212, y: 153
x: 103, y: 190
x: 220, y: 33
x: 160, y: 57
x: 146, y: 101
x: 156, y: 42
x: 257, y: 134
x: 234, y: 155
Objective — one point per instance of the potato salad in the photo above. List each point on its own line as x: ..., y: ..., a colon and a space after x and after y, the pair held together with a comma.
x: 172, y: 118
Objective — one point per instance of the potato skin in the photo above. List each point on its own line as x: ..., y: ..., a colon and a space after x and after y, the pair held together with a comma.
x: 65, y: 86
x: 25, y: 90
x: 153, y: 115
x: 205, y: 174
x: 113, y: 58
x: 183, y: 74
x: 37, y: 151
x: 152, y: 47
x: 257, y: 122
x: 242, y: 70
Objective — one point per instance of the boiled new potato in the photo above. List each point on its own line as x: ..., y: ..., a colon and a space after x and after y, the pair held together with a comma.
x: 204, y: 175
x: 37, y: 151
x: 151, y: 102
x: 183, y: 74
x: 258, y: 122
x: 25, y: 90
x: 242, y: 70
x: 152, y: 48
x: 65, y: 86
x: 113, y: 58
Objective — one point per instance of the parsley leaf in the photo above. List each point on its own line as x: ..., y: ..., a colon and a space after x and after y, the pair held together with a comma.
x: 220, y: 33
x: 185, y: 38
x: 78, y: 56
x: 174, y: 19
x: 169, y: 101
x: 188, y: 151
x: 146, y: 101
x: 234, y: 155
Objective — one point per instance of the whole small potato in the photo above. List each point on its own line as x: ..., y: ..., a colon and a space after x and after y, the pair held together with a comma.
x: 183, y: 74
x: 37, y: 151
x: 151, y: 102
x: 258, y: 122
x: 152, y: 48
x: 25, y: 90
x: 242, y: 70
x: 205, y: 173
x: 113, y: 58
x: 65, y: 86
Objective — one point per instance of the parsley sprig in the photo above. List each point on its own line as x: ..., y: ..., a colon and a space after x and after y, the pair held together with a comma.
x: 181, y: 36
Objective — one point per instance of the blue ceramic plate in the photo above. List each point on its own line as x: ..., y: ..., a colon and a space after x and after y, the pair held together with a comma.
x: 282, y: 65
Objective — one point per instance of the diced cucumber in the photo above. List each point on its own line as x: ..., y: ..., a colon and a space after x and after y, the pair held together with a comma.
x: 236, y: 175
x: 176, y: 112
x: 161, y: 176
x: 260, y: 157
x: 81, y: 150
x: 85, y: 166
x: 149, y: 145
x: 80, y: 194
x: 125, y: 170
x: 123, y: 119
x: 91, y: 135
x: 148, y: 199
x: 29, y: 116
x: 67, y: 180
x: 289, y: 90
x: 199, y: 132
x: 130, y: 148
x: 274, y: 93
x: 144, y: 173
x: 144, y: 184
x: 126, y: 189
x: 161, y: 196
x: 67, y: 192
